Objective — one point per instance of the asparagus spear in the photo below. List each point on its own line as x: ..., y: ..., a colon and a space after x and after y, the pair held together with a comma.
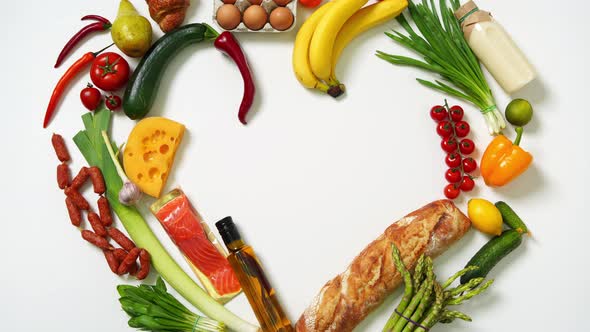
x: 426, y: 299
x: 408, y: 292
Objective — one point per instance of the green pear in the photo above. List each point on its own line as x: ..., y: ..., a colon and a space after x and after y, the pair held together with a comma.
x: 131, y: 32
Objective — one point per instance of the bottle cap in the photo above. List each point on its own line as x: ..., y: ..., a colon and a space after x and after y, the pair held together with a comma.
x: 228, y: 231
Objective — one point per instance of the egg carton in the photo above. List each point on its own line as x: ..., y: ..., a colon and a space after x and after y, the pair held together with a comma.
x: 268, y: 5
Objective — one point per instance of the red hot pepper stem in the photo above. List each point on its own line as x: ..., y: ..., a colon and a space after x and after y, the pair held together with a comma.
x: 97, y: 18
x: 228, y: 45
x: 85, y: 31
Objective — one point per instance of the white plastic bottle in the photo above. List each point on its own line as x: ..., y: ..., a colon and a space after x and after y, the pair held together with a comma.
x: 495, y: 48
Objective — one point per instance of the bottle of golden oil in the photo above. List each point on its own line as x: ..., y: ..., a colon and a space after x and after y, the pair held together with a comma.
x: 260, y: 294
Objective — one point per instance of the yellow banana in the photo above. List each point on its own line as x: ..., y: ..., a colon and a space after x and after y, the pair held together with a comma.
x: 301, y: 65
x: 362, y: 21
x: 322, y: 42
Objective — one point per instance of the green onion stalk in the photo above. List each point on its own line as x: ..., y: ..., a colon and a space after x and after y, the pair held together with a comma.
x: 93, y: 147
x: 445, y: 52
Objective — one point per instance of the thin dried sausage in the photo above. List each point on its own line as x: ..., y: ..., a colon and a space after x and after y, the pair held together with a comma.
x: 104, y: 209
x: 74, y: 212
x: 60, y: 148
x: 98, y: 241
x: 80, y: 178
x: 128, y: 261
x: 97, y: 180
x: 63, y: 175
x: 121, y: 239
x: 96, y: 224
x: 111, y: 260
x: 144, y: 262
x: 77, y: 198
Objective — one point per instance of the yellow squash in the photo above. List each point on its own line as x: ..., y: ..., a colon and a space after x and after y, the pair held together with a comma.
x: 149, y: 153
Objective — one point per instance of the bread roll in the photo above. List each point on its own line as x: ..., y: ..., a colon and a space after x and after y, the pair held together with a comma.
x: 348, y: 298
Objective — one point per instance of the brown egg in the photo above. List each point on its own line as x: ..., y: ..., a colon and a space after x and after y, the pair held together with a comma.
x: 228, y: 16
x: 231, y: 2
x: 281, y: 18
x: 255, y: 2
x: 255, y: 17
x: 282, y: 3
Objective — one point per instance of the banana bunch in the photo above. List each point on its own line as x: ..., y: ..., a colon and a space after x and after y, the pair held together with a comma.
x: 324, y: 35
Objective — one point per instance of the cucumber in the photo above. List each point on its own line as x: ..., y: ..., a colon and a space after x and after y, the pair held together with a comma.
x: 143, y: 85
x: 491, y: 253
x: 511, y: 218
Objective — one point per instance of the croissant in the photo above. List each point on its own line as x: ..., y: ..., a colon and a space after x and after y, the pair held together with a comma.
x: 169, y: 14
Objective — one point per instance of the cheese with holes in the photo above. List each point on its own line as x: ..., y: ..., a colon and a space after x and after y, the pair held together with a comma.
x: 149, y: 153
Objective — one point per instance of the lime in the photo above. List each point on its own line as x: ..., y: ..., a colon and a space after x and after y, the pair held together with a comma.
x: 519, y: 112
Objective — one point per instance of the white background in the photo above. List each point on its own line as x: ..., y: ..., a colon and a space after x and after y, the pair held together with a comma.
x: 310, y: 181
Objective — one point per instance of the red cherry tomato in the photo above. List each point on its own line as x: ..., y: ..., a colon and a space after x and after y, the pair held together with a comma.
x: 469, y: 165
x: 438, y: 113
x: 453, y: 175
x: 113, y: 102
x: 461, y: 128
x: 310, y: 3
x: 452, y: 191
x: 466, y: 146
x: 467, y: 183
x: 449, y: 144
x: 109, y: 71
x: 453, y: 160
x: 444, y: 129
x: 90, y: 97
x: 456, y: 113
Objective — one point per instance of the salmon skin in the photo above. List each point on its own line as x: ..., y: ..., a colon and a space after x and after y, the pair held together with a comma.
x: 199, y: 246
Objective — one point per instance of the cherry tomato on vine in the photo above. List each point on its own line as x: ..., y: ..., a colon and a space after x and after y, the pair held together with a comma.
x: 466, y: 146
x: 453, y: 175
x: 453, y: 160
x: 467, y: 183
x: 113, y: 102
x: 109, y: 71
x: 452, y: 191
x: 456, y: 113
x: 90, y: 97
x: 444, y: 129
x: 449, y: 144
x: 461, y: 128
x: 437, y: 113
x: 469, y: 165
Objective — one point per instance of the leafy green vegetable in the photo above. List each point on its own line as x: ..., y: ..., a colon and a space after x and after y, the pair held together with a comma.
x: 93, y: 148
x: 445, y: 52
x: 152, y: 308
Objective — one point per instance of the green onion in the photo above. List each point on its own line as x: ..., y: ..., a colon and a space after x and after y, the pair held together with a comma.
x: 152, y: 308
x: 93, y: 147
x: 445, y: 52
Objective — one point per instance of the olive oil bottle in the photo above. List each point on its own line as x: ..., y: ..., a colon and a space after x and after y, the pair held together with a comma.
x: 260, y: 294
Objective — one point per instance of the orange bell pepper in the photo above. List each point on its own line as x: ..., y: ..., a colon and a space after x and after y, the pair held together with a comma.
x: 503, y: 161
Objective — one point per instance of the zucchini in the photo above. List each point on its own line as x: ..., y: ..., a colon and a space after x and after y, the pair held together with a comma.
x: 142, y: 87
x: 511, y: 218
x: 491, y: 253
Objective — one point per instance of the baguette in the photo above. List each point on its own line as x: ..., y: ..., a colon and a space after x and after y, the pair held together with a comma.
x: 347, y: 299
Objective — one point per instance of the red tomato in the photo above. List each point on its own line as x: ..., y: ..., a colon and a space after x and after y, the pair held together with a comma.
x: 453, y: 175
x: 109, y: 71
x: 461, y: 129
x: 452, y: 191
x: 113, y: 102
x: 444, y: 129
x: 466, y: 146
x: 310, y: 3
x: 469, y: 165
x: 456, y: 113
x: 449, y: 144
x: 438, y: 113
x: 90, y: 97
x: 467, y: 183
x: 453, y: 160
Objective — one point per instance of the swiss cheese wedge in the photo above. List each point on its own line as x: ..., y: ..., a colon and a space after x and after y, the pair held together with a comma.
x: 149, y: 153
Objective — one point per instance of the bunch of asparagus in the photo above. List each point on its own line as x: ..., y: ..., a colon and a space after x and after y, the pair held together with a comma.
x: 425, y: 301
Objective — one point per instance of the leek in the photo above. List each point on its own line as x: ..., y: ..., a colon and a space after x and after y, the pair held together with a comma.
x: 94, y: 149
x: 445, y: 52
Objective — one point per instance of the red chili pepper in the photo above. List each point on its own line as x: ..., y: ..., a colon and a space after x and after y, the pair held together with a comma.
x: 227, y: 44
x: 102, y: 24
x: 63, y: 82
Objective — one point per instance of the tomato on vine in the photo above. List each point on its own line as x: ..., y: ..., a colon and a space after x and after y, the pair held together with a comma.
x: 109, y: 71
x: 466, y: 146
x: 453, y: 160
x: 438, y: 113
x: 469, y: 165
x: 449, y: 144
x: 461, y: 129
x: 453, y: 175
x: 444, y: 129
x: 467, y: 183
x: 452, y: 191
x: 456, y: 113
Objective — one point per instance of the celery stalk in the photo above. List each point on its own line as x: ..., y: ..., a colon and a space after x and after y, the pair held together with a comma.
x: 92, y: 146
